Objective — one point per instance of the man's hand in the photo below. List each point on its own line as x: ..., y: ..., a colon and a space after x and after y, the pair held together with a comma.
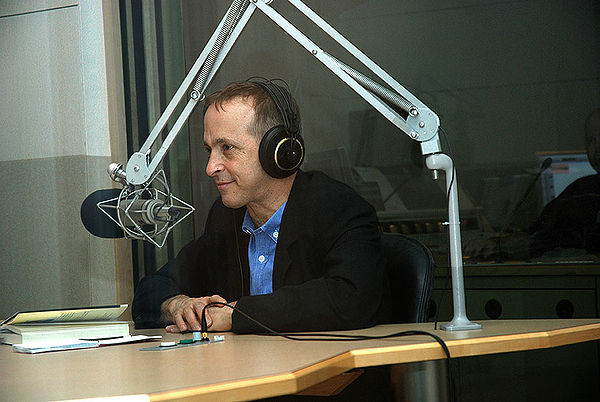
x: 221, y: 317
x: 185, y: 312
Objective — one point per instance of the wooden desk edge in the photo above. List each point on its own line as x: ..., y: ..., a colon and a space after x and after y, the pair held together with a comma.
x: 289, y: 383
x: 263, y: 387
x: 477, y: 346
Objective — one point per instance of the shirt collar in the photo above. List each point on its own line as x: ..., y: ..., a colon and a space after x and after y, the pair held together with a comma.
x: 270, y: 227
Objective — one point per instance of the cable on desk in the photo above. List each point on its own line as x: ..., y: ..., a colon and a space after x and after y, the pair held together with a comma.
x: 307, y: 336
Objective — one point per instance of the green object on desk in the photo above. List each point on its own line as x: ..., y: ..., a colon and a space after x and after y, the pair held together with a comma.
x: 186, y: 342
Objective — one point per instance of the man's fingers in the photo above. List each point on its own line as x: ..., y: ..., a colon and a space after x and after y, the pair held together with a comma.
x: 180, y: 323
x: 217, y: 298
x: 189, y: 314
x: 199, y: 307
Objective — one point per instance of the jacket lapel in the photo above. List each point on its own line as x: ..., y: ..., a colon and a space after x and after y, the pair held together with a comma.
x: 282, y: 263
x: 289, y: 231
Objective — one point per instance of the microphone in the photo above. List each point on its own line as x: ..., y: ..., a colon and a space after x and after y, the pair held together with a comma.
x: 95, y: 220
x: 151, y: 212
x: 145, y: 213
x: 545, y: 165
x: 140, y: 212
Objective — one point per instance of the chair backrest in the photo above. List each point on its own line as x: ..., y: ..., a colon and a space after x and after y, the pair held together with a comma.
x: 410, y: 269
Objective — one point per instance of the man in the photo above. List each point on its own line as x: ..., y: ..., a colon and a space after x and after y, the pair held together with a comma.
x: 571, y: 221
x: 568, y: 226
x: 297, y: 253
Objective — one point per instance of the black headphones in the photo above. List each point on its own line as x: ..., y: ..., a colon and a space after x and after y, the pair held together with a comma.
x: 281, y: 149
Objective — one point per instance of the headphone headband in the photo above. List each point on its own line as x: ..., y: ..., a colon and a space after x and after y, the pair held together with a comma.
x: 282, y: 99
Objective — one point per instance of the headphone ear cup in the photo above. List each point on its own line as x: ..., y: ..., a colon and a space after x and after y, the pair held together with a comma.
x: 280, y: 154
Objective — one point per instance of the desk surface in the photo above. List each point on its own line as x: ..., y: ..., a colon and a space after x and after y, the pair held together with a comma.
x: 252, y: 366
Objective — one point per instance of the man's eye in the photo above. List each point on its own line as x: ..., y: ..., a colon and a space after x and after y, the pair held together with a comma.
x: 227, y: 147
x: 207, y: 150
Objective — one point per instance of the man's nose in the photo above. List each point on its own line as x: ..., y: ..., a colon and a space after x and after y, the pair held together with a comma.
x: 214, y: 165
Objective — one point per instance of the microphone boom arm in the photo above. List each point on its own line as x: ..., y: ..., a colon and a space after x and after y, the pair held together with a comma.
x: 141, y: 166
x: 421, y: 123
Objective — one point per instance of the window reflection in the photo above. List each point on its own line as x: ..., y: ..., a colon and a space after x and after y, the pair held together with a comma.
x: 512, y: 83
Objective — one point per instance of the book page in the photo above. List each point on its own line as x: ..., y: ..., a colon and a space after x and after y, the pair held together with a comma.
x: 67, y: 344
x: 104, y: 313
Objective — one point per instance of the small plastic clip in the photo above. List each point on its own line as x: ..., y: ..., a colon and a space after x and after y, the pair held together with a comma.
x: 167, y: 344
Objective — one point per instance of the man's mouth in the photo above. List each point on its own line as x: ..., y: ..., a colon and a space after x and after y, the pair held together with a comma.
x: 222, y: 184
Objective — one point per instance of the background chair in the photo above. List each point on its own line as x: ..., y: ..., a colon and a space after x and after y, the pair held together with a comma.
x: 410, y: 270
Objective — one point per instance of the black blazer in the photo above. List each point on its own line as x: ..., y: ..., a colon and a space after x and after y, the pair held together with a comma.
x: 328, y: 271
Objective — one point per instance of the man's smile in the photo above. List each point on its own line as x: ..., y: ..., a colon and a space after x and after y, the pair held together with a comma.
x: 221, y: 184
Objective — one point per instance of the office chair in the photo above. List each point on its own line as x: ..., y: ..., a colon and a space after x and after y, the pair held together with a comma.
x: 410, y: 269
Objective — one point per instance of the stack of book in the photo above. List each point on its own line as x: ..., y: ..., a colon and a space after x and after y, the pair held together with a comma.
x: 74, y: 328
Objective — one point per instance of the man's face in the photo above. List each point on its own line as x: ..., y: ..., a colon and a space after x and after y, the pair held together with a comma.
x: 233, y: 154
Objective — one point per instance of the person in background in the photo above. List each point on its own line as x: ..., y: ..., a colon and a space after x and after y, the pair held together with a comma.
x: 569, y: 225
x: 572, y: 220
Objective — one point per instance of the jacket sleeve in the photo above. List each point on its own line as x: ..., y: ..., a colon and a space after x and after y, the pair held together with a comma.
x: 172, y: 279
x: 335, y: 278
x: 186, y: 274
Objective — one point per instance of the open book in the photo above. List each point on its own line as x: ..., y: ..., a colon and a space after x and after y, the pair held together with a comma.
x: 55, y: 325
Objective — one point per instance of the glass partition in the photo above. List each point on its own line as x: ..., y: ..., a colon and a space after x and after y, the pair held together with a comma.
x: 512, y: 82
x: 154, y: 66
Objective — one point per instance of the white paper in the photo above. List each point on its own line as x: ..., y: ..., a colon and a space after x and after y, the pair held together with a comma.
x: 69, y: 344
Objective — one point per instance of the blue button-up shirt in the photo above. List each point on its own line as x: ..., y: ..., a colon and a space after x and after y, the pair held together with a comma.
x: 261, y: 251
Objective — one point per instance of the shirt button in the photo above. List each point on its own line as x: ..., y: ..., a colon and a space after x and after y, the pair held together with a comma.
x: 275, y: 234
x: 261, y: 258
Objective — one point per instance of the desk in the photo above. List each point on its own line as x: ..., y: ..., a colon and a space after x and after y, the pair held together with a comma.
x: 252, y: 366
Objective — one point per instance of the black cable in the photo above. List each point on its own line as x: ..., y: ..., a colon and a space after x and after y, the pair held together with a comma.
x: 325, y: 337
x: 451, y: 155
